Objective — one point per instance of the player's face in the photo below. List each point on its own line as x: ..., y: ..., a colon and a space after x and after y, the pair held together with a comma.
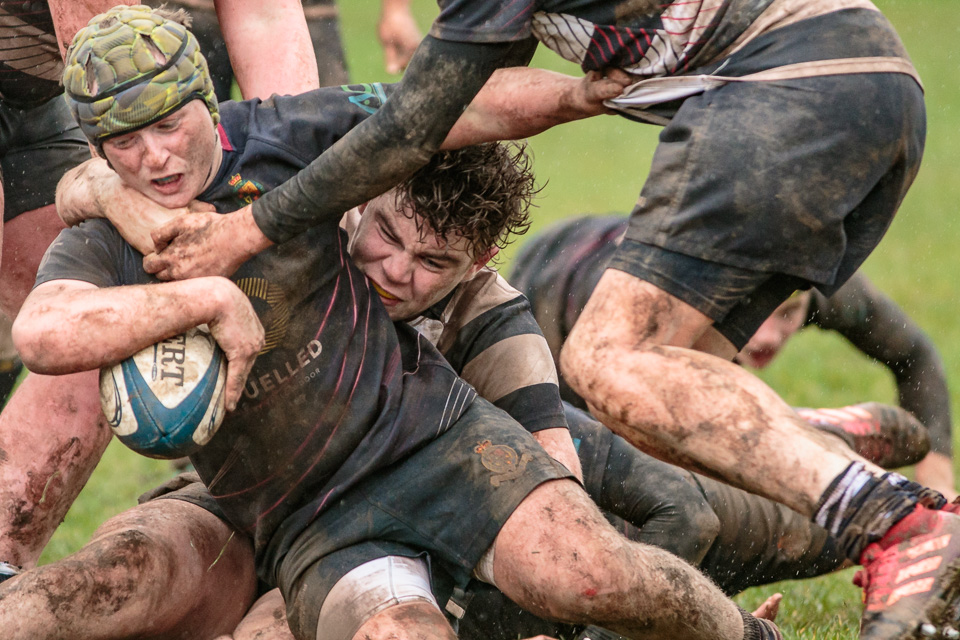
x: 773, y: 334
x: 172, y: 160
x: 411, y: 269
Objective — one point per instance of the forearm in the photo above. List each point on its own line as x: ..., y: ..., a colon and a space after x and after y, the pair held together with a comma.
x: 64, y: 328
x: 400, y: 138
x: 94, y: 190
x: 521, y: 102
x: 251, y: 29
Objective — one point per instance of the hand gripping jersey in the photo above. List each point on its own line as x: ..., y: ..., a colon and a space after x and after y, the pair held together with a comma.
x: 338, y: 391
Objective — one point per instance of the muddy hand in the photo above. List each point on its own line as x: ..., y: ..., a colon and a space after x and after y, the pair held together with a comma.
x: 238, y: 331
x: 596, y: 87
x: 204, y: 244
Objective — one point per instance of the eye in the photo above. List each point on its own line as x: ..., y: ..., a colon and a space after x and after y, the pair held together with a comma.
x: 432, y: 265
x: 121, y: 143
x: 386, y: 235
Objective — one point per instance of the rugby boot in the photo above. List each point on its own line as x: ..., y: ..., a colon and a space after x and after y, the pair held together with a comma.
x: 911, y: 579
x: 888, y: 436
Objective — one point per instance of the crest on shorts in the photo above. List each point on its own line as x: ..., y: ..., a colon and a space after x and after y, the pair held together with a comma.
x: 502, y: 460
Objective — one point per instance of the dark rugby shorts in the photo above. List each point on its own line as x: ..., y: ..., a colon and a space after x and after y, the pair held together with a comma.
x: 760, y: 188
x: 448, y: 501
x: 37, y: 146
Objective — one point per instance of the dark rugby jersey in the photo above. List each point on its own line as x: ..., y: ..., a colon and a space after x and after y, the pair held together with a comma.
x: 338, y: 391
x: 559, y: 269
x: 487, y: 332
x: 30, y: 62
x: 645, y: 37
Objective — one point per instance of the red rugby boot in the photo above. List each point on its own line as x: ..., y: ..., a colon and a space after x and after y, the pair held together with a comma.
x: 911, y: 580
x: 888, y: 436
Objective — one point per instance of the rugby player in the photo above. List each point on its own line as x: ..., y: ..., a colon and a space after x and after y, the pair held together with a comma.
x: 440, y: 285
x: 50, y: 434
x: 558, y: 270
x: 323, y: 479
x: 758, y: 188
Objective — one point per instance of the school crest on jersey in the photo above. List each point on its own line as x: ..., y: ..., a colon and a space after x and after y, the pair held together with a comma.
x: 246, y: 190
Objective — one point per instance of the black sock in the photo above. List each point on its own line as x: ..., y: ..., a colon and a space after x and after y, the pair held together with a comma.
x: 8, y: 571
x: 858, y: 508
x: 9, y: 372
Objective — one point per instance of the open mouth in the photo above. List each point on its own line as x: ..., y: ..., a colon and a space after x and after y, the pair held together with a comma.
x: 168, y: 182
x: 383, y: 294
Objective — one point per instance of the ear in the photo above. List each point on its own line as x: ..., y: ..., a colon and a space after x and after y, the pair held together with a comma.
x: 482, y: 260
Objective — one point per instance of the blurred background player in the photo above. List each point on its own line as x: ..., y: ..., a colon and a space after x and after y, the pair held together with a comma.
x: 50, y: 431
x: 558, y: 269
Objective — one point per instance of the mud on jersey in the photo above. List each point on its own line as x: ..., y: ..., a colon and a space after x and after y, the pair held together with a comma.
x: 338, y: 391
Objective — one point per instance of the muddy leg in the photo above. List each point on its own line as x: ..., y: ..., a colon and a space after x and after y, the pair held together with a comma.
x: 628, y: 356
x: 411, y: 621
x: 558, y: 557
x: 51, y: 436
x: 158, y: 570
x: 266, y: 620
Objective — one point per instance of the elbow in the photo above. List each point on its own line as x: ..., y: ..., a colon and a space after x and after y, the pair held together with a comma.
x: 36, y: 344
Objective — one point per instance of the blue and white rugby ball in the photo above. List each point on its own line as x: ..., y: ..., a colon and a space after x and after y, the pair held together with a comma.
x: 168, y: 400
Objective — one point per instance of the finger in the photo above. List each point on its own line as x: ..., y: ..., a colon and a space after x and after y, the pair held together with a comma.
x: 164, y: 234
x: 237, y: 372
x: 152, y: 263
x: 392, y: 56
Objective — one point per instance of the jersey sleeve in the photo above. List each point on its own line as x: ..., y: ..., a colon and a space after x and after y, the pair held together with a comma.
x: 492, y: 21
x: 880, y: 329
x: 92, y: 252
x: 493, y: 341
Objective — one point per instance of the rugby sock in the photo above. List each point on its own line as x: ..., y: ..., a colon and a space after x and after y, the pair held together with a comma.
x: 9, y: 372
x: 8, y: 571
x: 758, y: 628
x: 858, y: 508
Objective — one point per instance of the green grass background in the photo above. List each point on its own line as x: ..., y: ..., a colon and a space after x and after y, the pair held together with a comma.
x: 598, y: 166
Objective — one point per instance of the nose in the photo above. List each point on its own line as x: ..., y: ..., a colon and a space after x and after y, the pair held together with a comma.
x: 155, y: 153
x: 397, y: 267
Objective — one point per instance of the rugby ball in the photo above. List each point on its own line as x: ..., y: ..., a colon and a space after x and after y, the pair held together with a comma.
x: 168, y: 400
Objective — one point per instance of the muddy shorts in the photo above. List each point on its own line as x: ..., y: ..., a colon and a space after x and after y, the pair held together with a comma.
x: 37, y: 146
x: 446, y: 502
x: 795, y: 179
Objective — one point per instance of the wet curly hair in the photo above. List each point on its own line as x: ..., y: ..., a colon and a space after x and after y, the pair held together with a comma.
x: 482, y: 193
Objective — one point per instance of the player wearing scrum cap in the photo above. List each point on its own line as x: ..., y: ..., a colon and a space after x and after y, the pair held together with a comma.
x: 324, y: 478
x: 50, y: 432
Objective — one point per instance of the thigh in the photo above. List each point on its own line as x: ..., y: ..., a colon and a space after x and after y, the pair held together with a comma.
x: 25, y: 240
x: 556, y: 546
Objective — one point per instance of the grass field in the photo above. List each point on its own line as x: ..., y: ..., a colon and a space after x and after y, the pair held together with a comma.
x: 598, y: 166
